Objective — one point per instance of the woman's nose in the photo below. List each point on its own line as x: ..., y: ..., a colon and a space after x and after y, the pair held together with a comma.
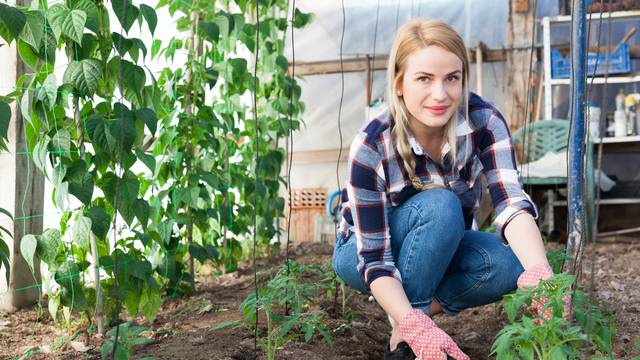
x: 438, y: 92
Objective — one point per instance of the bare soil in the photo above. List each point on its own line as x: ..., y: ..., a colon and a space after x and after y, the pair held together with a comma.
x: 183, y: 328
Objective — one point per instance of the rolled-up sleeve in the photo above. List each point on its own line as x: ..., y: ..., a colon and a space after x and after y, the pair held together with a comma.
x: 499, y: 164
x: 368, y: 203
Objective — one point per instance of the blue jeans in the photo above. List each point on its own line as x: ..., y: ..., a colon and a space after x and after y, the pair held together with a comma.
x: 437, y: 258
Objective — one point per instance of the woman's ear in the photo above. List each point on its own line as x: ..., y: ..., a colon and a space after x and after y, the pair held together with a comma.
x: 399, y: 89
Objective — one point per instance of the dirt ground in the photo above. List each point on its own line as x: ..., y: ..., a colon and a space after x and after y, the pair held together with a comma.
x: 183, y: 328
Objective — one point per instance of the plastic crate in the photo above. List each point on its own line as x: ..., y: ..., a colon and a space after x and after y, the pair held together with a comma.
x: 619, y: 63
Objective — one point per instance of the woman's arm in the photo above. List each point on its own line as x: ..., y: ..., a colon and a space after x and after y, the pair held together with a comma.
x: 390, y: 295
x: 525, y: 240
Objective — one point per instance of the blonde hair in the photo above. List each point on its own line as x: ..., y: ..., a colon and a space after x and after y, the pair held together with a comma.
x: 412, y: 36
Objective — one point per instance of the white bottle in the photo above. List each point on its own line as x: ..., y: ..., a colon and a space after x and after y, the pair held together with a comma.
x: 593, y: 117
x: 620, y: 100
x: 620, y: 123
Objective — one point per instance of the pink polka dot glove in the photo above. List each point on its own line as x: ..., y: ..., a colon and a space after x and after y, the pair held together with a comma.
x: 530, y: 278
x: 426, y: 340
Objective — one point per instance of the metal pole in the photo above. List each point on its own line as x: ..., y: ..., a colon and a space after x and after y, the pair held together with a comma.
x: 576, y: 137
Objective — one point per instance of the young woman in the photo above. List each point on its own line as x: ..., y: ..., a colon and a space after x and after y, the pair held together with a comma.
x: 412, y: 186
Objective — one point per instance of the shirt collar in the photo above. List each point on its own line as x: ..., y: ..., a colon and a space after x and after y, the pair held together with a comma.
x: 463, y: 128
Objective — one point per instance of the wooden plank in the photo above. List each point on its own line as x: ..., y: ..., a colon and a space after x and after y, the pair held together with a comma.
x: 320, y: 156
x: 519, y: 31
x: 380, y: 62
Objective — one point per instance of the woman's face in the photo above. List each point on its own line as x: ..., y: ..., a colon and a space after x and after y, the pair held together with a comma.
x: 431, y: 87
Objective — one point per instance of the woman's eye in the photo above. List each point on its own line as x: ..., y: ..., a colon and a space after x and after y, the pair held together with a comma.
x: 453, y: 78
x: 423, y: 78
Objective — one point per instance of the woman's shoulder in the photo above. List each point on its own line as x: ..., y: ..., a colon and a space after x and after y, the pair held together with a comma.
x: 481, y: 110
x: 377, y: 129
x: 372, y: 137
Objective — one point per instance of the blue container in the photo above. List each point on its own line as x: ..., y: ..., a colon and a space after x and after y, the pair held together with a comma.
x: 619, y: 63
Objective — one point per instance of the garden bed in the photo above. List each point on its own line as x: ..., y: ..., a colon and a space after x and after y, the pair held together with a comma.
x: 182, y: 329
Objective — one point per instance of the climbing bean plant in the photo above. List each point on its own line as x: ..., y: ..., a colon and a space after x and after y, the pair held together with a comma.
x: 150, y: 171
x: 212, y: 175
x: 5, y: 117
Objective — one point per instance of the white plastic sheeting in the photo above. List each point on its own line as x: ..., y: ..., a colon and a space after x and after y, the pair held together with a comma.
x: 475, y: 20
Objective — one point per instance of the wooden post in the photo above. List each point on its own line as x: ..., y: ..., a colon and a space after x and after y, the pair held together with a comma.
x: 23, y: 194
x: 368, y: 81
x: 479, y: 68
x: 520, y: 28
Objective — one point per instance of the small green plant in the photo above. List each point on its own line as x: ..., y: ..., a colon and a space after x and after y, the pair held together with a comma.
x: 4, y: 249
x: 128, y: 338
x: 533, y: 337
x: 284, y: 291
x: 556, y: 258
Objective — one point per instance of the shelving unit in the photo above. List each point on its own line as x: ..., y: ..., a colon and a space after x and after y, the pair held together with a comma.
x: 610, y: 144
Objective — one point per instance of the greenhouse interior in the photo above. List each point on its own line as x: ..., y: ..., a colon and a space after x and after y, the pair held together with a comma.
x: 352, y: 179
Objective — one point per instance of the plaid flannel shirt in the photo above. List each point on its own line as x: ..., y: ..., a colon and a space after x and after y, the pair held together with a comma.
x: 376, y: 180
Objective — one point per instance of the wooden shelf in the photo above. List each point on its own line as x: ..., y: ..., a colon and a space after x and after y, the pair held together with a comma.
x: 617, y: 140
x: 601, y: 80
x: 614, y: 201
x: 596, y: 16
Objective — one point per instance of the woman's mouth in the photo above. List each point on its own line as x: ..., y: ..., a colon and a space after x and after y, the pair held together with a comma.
x: 437, y: 110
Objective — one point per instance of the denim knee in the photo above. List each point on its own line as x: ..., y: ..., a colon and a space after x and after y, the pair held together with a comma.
x: 345, y: 263
x: 441, y: 205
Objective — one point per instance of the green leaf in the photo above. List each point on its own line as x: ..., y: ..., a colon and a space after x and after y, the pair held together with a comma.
x: 150, y: 303
x: 61, y: 194
x: 223, y: 25
x: 48, y: 245
x: 100, y: 221
x: 132, y: 301
x: 121, y: 43
x: 138, y: 45
x: 156, y: 45
x: 165, y: 229
x: 13, y: 20
x: 123, y: 129
x: 40, y: 153
x: 5, y: 212
x: 211, y: 30
x: 301, y: 19
x: 150, y: 16
x: 148, y: 160
x: 34, y: 29
x: 80, y: 181
x: 5, y: 119
x: 98, y: 130
x: 92, y: 12
x: 125, y: 12
x: 282, y: 63
x: 149, y: 117
x: 53, y: 303
x: 133, y: 76
x: 81, y: 233
x: 27, y: 54
x: 198, y: 253
x: 48, y: 46
x: 49, y: 90
x: 127, y: 193
x: 211, y: 76
x: 61, y: 143
x: 25, y: 106
x: 142, y: 210
x: 65, y: 21
x: 84, y: 75
x: 28, y: 246
x: 72, y: 292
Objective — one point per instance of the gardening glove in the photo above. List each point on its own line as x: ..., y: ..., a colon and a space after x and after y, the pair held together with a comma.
x: 530, y: 278
x: 426, y: 340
